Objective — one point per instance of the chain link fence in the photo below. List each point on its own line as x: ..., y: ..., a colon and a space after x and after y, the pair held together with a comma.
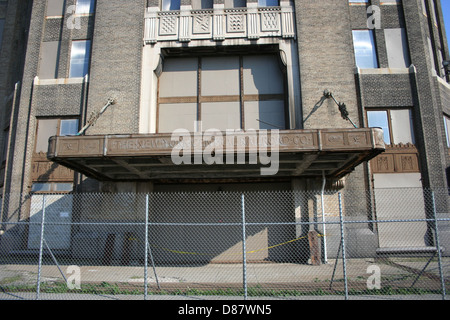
x: 251, y: 245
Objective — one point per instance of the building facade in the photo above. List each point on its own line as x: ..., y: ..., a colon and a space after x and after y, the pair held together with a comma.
x: 110, y: 81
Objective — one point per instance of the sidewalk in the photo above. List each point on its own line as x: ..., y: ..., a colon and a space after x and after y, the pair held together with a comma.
x: 268, y: 277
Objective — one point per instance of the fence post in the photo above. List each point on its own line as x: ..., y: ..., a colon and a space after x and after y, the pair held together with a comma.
x: 244, y: 248
x: 146, y: 250
x: 41, y: 249
x: 341, y: 222
x: 438, y: 248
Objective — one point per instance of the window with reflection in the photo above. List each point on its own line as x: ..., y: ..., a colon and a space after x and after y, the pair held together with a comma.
x: 365, y: 50
x: 167, y: 5
x: 235, y: 3
x: 268, y: 3
x: 447, y: 129
x: 85, y: 6
x: 79, y: 58
x: 397, y: 125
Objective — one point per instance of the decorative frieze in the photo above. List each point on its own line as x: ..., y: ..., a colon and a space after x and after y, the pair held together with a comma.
x: 401, y: 158
x: 43, y: 170
x: 218, y: 24
x: 270, y: 20
x: 168, y: 23
x: 235, y: 22
x: 202, y: 22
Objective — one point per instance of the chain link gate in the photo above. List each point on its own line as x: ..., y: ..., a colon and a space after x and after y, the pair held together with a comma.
x: 283, y: 244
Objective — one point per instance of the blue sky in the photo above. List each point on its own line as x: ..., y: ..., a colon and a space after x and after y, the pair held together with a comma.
x: 446, y: 11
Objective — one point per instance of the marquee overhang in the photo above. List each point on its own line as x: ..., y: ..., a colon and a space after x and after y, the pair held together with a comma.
x: 218, y: 155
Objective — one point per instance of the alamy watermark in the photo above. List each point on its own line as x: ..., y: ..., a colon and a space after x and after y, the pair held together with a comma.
x: 232, y: 146
x: 73, y: 20
x: 374, y: 17
x: 374, y: 280
x: 74, y: 279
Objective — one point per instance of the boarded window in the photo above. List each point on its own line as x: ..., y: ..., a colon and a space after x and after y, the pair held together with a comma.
x: 55, y: 7
x: 228, y: 92
x: 397, y: 48
x: 46, y: 129
x: 49, y: 59
x: 52, y: 127
x: 178, y: 87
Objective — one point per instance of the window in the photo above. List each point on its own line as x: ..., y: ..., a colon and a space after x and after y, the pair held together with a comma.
x: 52, y: 127
x: 68, y: 127
x: 268, y: 3
x: 48, y: 62
x: 85, y: 6
x: 51, y: 187
x: 447, y: 129
x: 396, y: 124
x: 55, y: 8
x: 167, y: 5
x: 364, y: 46
x: 228, y: 92
x: 235, y: 3
x: 202, y: 4
x: 379, y: 119
x: 79, y: 58
x: 45, y: 175
x: 397, y: 48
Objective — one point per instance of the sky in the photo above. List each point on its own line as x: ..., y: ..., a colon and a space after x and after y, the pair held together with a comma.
x: 446, y: 11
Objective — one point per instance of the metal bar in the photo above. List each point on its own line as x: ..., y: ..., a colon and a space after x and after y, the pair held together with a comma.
x: 325, y: 254
x: 54, y: 260
x: 423, y: 270
x: 341, y: 221
x: 146, y: 250
x: 438, y: 247
x: 215, y: 224
x: 149, y: 250
x: 154, y: 268
x: 95, y: 117
x: 244, y: 248
x: 41, y: 249
x: 335, y: 263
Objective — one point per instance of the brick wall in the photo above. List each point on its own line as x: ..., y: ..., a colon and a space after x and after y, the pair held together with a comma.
x: 116, y: 65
